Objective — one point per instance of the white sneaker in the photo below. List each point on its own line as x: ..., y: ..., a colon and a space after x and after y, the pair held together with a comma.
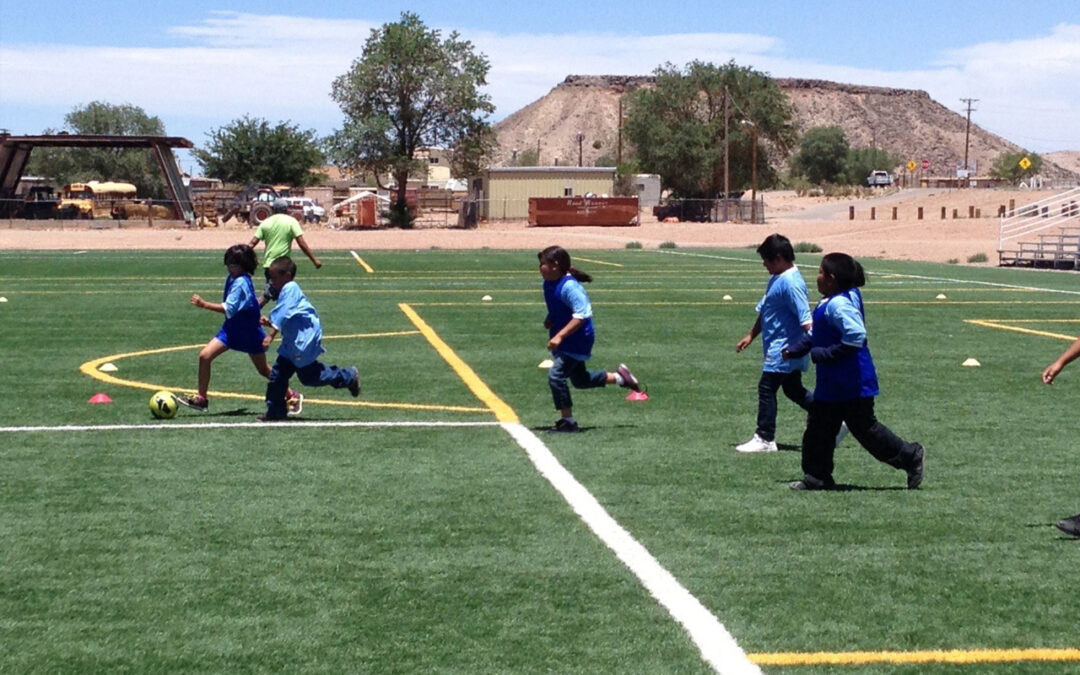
x: 757, y: 444
x: 842, y: 434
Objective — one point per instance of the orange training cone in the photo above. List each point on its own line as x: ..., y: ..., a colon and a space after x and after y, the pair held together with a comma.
x: 100, y: 398
x: 637, y: 396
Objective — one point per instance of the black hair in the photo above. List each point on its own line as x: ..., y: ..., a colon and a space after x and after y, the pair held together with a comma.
x: 776, y: 246
x: 242, y: 255
x: 846, y: 270
x: 557, y: 256
x: 284, y: 264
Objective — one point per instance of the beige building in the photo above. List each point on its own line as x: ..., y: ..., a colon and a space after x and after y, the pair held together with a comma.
x: 504, y: 191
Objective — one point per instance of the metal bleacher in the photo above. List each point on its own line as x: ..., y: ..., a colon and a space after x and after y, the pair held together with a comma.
x: 1045, y: 233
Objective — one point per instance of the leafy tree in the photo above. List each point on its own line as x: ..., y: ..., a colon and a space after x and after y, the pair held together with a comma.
x: 1007, y: 166
x: 679, y: 129
x: 528, y: 157
x: 821, y: 155
x: 137, y: 166
x: 411, y: 89
x: 859, y: 163
x: 250, y: 150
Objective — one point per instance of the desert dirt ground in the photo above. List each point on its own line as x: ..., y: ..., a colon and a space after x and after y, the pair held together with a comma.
x: 817, y: 220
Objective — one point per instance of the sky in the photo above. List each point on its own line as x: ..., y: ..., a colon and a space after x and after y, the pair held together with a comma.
x: 200, y: 65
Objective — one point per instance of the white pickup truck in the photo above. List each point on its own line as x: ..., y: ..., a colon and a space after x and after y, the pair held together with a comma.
x: 879, y: 179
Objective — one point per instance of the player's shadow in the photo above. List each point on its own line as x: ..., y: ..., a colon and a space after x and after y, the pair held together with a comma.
x: 239, y: 412
x: 847, y: 487
x: 789, y: 447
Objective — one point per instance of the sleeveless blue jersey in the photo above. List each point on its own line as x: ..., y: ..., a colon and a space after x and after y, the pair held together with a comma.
x: 838, y: 319
x: 561, y: 296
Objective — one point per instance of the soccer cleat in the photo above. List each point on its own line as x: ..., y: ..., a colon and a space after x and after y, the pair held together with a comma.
x: 354, y: 383
x: 918, y: 468
x: 294, y: 403
x: 811, y: 483
x: 196, y: 402
x: 564, y: 427
x: 1070, y: 526
x: 757, y: 444
x: 629, y: 381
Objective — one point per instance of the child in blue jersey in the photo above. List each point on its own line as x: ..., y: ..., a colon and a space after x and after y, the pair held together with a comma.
x: 301, y: 343
x: 846, y: 382
x: 783, y: 318
x: 1071, y: 525
x: 571, y: 336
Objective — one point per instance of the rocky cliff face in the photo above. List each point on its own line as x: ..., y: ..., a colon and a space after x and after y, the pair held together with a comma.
x: 904, y: 122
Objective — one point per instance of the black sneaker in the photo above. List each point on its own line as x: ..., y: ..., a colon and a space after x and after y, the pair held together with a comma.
x: 1070, y: 526
x: 810, y: 483
x: 354, y: 384
x: 564, y: 427
x: 196, y: 402
x: 918, y: 468
x: 629, y: 381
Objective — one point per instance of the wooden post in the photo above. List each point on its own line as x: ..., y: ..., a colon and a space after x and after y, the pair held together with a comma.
x: 943, y: 213
x: 1001, y: 211
x: 978, y: 213
x: 851, y: 213
x: 1012, y: 208
x: 894, y: 213
x: 873, y: 212
x: 971, y: 211
x: 920, y: 213
x: 955, y: 214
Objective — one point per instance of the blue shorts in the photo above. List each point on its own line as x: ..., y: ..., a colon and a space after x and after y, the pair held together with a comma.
x: 248, y: 341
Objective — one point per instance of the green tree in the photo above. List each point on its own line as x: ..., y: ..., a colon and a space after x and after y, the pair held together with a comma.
x: 70, y: 165
x: 1007, y: 166
x: 679, y: 127
x: 527, y: 157
x: 411, y: 89
x: 250, y: 150
x: 859, y: 163
x: 822, y: 151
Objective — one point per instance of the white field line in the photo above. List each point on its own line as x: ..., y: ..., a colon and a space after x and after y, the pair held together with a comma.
x: 718, y: 648
x: 298, y: 424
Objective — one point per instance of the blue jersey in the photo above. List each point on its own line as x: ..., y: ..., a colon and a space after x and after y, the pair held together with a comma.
x: 784, y: 310
x: 839, y: 319
x: 301, y: 331
x: 566, y: 299
x: 241, y: 330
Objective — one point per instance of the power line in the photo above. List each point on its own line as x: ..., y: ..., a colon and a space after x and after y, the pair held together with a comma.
x: 967, y: 131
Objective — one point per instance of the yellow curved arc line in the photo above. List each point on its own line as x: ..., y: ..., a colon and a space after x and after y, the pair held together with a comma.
x: 960, y: 656
x: 90, y: 369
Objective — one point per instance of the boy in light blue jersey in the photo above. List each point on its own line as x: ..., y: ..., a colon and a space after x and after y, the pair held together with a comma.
x: 301, y: 343
x: 783, y: 318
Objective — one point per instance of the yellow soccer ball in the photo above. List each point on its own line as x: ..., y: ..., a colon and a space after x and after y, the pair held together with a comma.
x: 163, y: 405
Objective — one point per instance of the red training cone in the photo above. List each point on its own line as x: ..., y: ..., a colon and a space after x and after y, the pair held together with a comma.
x: 100, y: 398
x: 637, y: 396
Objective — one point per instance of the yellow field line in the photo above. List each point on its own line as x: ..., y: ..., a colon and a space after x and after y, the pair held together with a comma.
x: 362, y: 263
x: 503, y: 412
x: 956, y: 656
x: 90, y: 369
x: 1017, y: 329
x: 597, y: 262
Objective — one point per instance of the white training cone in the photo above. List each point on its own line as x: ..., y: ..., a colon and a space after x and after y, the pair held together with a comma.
x: 941, y: 296
x: 727, y: 297
x: 108, y: 368
x: 546, y: 363
x: 971, y: 363
x: 3, y: 299
x: 486, y: 298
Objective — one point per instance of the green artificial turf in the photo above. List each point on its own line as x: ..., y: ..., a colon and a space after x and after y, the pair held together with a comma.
x: 404, y: 549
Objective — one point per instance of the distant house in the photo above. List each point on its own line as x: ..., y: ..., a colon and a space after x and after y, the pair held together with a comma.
x: 647, y: 188
x: 504, y: 191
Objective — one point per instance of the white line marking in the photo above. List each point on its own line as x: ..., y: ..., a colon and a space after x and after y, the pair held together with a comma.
x: 718, y: 648
x: 292, y: 424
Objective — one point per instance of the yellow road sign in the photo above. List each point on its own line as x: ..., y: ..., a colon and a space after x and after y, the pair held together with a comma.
x: 911, y: 165
x: 1025, y: 163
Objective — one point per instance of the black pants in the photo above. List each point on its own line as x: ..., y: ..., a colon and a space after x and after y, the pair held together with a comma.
x: 819, y: 440
x: 766, y: 396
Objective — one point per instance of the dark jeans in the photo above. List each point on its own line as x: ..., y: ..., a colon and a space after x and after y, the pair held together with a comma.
x: 819, y: 440
x: 314, y: 374
x: 767, y: 387
x: 581, y: 377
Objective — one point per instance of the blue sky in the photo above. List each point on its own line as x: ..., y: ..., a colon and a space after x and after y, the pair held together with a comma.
x: 199, y: 65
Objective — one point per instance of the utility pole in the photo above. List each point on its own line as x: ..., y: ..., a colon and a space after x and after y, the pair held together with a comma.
x: 727, y: 120
x: 618, y: 152
x: 580, y: 138
x: 967, y: 134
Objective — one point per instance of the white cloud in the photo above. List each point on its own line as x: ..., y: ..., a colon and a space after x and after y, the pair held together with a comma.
x: 281, y: 67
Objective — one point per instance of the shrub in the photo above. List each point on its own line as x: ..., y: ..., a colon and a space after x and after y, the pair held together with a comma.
x: 954, y: 261
x: 668, y: 244
x: 807, y: 247
x: 977, y: 258
x: 633, y: 244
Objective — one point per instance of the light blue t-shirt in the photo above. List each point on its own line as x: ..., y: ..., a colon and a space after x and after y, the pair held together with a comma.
x: 298, y: 322
x: 784, y: 309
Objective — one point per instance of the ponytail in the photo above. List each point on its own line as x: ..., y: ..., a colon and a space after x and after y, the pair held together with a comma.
x: 557, y: 256
x: 846, y: 270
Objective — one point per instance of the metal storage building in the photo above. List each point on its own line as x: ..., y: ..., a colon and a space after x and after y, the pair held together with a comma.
x: 505, y: 191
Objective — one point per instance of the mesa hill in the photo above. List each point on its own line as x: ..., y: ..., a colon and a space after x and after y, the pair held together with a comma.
x: 904, y: 122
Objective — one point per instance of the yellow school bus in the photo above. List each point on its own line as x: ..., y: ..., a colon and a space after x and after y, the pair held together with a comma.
x: 94, y: 199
